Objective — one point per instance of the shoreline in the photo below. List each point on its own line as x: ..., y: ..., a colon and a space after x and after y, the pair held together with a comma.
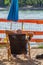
x: 23, y: 8
x: 4, y: 8
x: 31, y: 8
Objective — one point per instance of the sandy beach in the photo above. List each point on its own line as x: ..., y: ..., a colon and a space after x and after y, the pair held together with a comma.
x: 20, y: 60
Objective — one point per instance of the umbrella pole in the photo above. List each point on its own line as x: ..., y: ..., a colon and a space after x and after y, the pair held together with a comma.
x: 22, y: 25
x: 11, y: 25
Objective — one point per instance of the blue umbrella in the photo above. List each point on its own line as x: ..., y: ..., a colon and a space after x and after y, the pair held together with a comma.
x: 13, y: 13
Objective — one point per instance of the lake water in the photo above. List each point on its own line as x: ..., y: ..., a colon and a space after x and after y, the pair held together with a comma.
x: 28, y: 14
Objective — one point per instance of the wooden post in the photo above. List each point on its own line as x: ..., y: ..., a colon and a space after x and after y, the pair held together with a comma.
x: 8, y: 45
x: 29, y: 49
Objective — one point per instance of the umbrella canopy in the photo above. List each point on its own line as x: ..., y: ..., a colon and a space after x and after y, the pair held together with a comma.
x: 13, y: 13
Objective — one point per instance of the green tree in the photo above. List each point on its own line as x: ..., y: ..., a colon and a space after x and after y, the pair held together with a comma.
x: 36, y: 3
x: 42, y: 2
x: 21, y: 3
x: 6, y: 2
x: 28, y: 2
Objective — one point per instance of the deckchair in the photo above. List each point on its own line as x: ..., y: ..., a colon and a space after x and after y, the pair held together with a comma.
x: 17, y: 43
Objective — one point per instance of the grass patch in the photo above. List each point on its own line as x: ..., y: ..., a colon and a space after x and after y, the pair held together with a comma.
x: 1, y: 46
x: 41, y: 46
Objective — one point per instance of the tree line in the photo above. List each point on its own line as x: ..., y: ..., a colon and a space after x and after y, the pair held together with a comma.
x: 35, y: 3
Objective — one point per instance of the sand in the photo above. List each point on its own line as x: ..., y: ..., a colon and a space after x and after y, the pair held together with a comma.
x: 20, y: 59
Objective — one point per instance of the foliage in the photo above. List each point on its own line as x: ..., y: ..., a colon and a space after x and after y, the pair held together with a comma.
x: 6, y: 2
x: 34, y: 3
x: 40, y: 46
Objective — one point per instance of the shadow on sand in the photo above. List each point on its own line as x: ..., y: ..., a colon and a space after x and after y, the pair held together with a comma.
x: 18, y: 61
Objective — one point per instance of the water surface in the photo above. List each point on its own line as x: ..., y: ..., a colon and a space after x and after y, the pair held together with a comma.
x: 25, y: 14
